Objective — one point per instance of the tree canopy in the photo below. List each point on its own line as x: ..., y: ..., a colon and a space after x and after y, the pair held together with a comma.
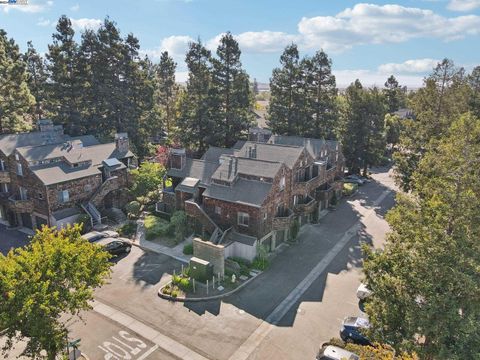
x: 52, y: 276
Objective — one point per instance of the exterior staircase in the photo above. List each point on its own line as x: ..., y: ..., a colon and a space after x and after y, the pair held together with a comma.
x: 194, y: 209
x: 110, y: 184
x: 93, y: 213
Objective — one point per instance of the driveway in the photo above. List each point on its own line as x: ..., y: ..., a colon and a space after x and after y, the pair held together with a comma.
x: 10, y: 239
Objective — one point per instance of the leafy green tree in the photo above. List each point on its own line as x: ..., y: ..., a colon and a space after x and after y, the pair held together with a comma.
x: 425, y: 283
x: 321, y: 93
x: 198, y: 119
x: 232, y: 86
x: 286, y: 109
x: 379, y: 352
x: 15, y: 98
x: 362, y: 127
x: 393, y: 128
x: 37, y: 78
x: 148, y: 177
x: 165, y: 95
x: 64, y: 91
x: 255, y: 87
x: 52, y: 276
x: 443, y: 98
x: 180, y: 225
x: 394, y: 95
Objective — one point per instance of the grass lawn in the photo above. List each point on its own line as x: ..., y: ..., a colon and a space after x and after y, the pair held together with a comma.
x: 159, y: 230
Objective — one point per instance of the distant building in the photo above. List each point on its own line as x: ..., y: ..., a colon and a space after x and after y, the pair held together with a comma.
x: 405, y: 113
x: 47, y: 177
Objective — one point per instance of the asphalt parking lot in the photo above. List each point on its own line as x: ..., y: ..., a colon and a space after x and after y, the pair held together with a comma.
x: 10, y: 239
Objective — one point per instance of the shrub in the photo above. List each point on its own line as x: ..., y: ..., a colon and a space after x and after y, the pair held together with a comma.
x: 167, y: 290
x: 174, y: 293
x: 294, y: 229
x: 185, y: 284
x: 155, y: 227
x: 128, y: 229
x: 186, y: 271
x: 260, y: 263
x: 84, y: 221
x: 133, y: 208
x: 176, y: 279
x: 179, y: 225
x: 188, y: 249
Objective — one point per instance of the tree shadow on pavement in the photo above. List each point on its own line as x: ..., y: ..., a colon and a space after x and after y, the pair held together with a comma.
x: 150, y: 268
x: 200, y: 308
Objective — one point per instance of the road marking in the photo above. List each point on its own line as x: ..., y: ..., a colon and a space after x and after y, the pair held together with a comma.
x: 255, y: 339
x: 152, y: 349
x: 164, y: 342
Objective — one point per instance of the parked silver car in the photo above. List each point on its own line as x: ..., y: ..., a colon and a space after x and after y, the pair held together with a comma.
x: 331, y: 352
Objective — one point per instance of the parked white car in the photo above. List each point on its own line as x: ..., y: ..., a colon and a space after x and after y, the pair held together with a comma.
x: 93, y: 236
x: 110, y: 234
x: 363, y: 292
x: 331, y: 352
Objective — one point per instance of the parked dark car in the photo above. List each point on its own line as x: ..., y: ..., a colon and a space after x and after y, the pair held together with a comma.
x: 354, y: 179
x: 352, y: 330
x: 117, y: 247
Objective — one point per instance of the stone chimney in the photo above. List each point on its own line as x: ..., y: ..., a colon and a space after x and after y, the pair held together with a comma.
x: 45, y: 125
x: 122, y: 143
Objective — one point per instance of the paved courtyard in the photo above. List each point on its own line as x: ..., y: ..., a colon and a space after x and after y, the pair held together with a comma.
x: 285, y: 313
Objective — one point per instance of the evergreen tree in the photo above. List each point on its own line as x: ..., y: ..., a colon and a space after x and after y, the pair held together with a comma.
x: 425, y: 283
x: 16, y: 100
x: 37, y: 78
x: 394, y: 95
x: 233, y: 89
x: 255, y: 87
x: 362, y: 127
x: 197, y: 125
x: 166, y: 90
x: 286, y: 109
x: 64, y: 87
x: 474, y: 82
x: 321, y: 92
x: 444, y: 97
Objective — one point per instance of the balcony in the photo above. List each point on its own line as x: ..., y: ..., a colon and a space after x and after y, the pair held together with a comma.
x: 4, y: 176
x: 20, y: 206
x: 167, y: 196
x: 323, y: 193
x: 306, y: 206
x: 283, y: 219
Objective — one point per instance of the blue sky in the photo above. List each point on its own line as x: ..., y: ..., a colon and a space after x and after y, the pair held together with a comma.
x: 368, y: 41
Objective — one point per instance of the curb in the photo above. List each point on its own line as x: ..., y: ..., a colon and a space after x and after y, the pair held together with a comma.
x: 220, y: 296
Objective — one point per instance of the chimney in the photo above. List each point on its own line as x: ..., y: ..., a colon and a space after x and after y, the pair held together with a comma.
x: 122, y: 143
x: 45, y: 125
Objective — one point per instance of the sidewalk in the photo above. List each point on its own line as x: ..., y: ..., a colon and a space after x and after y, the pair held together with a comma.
x: 175, y: 252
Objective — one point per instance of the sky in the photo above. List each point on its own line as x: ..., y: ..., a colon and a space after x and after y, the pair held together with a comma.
x: 368, y: 41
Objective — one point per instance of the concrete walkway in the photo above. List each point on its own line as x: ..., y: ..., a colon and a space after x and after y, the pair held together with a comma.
x: 175, y: 252
x: 164, y: 342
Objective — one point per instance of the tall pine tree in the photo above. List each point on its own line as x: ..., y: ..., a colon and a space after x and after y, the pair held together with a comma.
x: 286, y: 109
x: 321, y: 93
x: 64, y: 86
x: 37, y: 78
x: 166, y: 89
x: 16, y: 100
x: 394, y: 95
x: 233, y: 89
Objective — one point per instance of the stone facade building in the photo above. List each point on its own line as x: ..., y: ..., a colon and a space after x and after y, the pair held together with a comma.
x: 48, y: 177
x: 253, y: 193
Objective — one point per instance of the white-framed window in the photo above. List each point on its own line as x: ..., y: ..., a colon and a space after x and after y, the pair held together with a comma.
x: 2, y: 165
x: 4, y: 187
x: 23, y: 193
x: 265, y: 216
x: 17, y: 157
x: 19, y: 169
x: 243, y: 219
x: 218, y: 210
x: 63, y: 196
x: 282, y: 183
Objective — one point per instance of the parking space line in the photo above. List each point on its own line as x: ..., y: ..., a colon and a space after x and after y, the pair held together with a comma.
x: 164, y: 342
x: 152, y: 349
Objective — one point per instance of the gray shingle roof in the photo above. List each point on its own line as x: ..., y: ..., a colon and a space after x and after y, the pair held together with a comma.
x: 227, y: 170
x: 243, y: 191
x: 313, y: 146
x: 198, y: 169
x: 287, y: 155
x: 58, y: 172
x: 213, y: 153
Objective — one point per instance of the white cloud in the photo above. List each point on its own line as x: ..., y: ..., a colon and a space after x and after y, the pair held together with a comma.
x: 377, y: 24
x: 31, y: 7
x: 176, y: 46
x: 410, y: 66
x: 370, y: 78
x: 264, y: 41
x: 463, y: 5
x: 84, y: 23
x: 75, y: 7
x: 44, y: 22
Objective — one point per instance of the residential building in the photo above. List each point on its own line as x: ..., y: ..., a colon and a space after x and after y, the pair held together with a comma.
x: 48, y: 177
x: 253, y: 193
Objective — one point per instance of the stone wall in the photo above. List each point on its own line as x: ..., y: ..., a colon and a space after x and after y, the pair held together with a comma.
x: 214, y: 254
